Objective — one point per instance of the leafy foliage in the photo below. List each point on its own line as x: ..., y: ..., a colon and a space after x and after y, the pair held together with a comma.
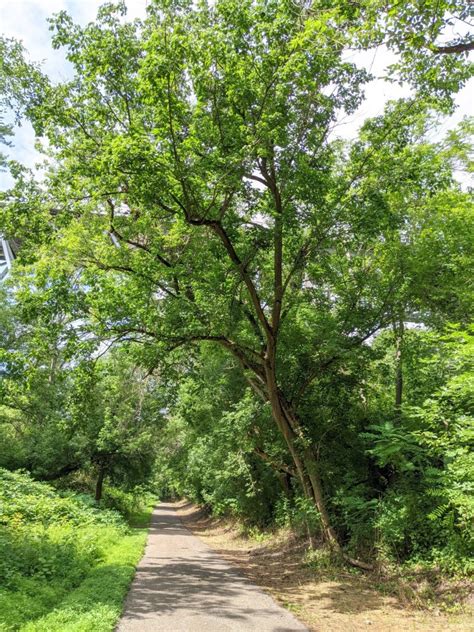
x: 51, y: 545
x: 279, y: 300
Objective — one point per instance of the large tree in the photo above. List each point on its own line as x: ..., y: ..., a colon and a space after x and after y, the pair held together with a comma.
x: 194, y: 181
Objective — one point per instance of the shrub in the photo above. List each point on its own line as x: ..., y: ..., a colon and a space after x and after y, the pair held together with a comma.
x: 51, y: 544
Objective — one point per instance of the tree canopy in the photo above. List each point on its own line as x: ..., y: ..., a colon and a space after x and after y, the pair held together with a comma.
x: 195, y: 196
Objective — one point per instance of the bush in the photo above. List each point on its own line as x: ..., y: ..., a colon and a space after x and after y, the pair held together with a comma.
x: 128, y: 503
x: 23, y: 500
x: 51, y: 544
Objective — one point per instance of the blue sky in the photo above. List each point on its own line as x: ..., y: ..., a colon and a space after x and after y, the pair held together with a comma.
x: 26, y: 20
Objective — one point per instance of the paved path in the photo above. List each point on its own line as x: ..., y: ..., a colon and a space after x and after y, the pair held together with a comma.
x: 182, y: 585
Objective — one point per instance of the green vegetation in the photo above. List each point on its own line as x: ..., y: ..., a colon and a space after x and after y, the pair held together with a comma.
x: 65, y: 564
x: 217, y: 295
x: 401, y: 483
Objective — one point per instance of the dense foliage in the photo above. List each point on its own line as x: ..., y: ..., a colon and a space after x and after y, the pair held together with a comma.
x: 298, y: 305
x: 60, y: 415
x: 65, y: 564
x: 401, y: 481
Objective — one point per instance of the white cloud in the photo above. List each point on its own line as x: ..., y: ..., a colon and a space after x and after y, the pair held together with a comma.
x: 26, y: 21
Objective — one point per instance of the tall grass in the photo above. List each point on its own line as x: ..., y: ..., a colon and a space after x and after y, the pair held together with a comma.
x: 65, y: 564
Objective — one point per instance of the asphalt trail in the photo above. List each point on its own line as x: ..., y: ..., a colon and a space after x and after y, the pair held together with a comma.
x: 182, y: 585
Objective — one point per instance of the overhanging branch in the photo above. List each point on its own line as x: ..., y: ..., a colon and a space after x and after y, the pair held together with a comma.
x: 454, y: 49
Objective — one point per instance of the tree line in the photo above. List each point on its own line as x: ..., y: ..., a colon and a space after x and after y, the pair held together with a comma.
x: 214, y: 286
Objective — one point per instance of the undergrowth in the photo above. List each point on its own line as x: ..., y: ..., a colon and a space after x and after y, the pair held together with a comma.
x: 65, y: 564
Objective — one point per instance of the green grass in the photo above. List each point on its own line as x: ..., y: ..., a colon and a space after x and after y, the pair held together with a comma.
x: 97, y: 602
x: 64, y: 564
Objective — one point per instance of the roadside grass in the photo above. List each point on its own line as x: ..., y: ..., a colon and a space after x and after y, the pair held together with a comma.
x: 96, y: 604
x: 65, y: 565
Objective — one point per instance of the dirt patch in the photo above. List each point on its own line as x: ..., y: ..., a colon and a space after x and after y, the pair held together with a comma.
x: 328, y: 599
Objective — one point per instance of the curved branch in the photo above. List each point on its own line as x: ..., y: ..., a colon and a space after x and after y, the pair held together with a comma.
x: 220, y: 231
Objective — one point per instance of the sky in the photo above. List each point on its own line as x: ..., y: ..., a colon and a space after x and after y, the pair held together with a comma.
x: 26, y: 20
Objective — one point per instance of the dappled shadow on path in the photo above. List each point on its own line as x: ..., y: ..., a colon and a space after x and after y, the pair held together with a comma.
x: 180, y: 579
x: 279, y: 568
x: 192, y: 584
x: 285, y: 574
x: 326, y: 595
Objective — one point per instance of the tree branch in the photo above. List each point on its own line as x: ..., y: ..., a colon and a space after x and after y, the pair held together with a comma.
x: 130, y: 242
x: 281, y: 467
x: 219, y: 230
x: 453, y: 49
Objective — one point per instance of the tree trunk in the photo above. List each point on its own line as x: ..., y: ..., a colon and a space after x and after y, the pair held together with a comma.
x: 285, y: 481
x: 317, y: 489
x: 99, y: 484
x: 399, y: 332
x: 302, y: 454
x: 304, y: 459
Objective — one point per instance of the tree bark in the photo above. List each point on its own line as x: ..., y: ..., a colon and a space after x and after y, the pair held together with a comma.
x: 99, y: 484
x: 452, y: 49
x: 285, y: 482
x: 304, y: 458
x: 399, y: 330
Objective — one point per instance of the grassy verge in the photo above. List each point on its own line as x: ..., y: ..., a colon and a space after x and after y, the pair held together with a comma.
x: 64, y: 564
x: 96, y: 604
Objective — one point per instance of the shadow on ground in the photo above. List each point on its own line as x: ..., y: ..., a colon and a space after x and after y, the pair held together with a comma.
x: 181, y: 582
x: 328, y: 598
